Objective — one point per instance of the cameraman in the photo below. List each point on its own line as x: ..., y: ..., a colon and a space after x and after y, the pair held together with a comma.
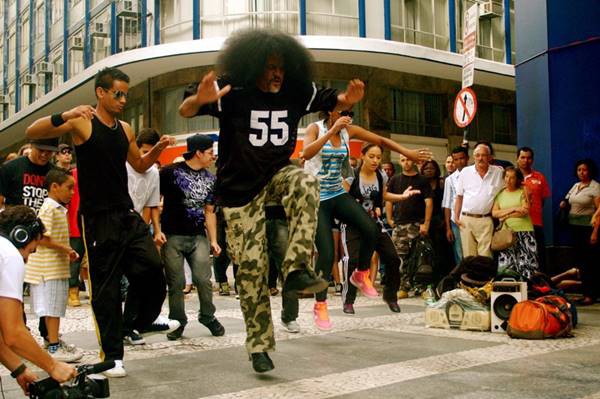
x: 20, y: 231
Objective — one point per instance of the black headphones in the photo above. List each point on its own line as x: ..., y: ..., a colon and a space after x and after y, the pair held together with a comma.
x: 21, y: 235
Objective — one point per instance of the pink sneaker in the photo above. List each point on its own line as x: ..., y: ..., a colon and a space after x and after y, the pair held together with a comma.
x: 321, y: 316
x: 360, y: 279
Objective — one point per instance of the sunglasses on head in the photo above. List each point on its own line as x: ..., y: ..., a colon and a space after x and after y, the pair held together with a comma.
x: 347, y: 113
x: 117, y: 94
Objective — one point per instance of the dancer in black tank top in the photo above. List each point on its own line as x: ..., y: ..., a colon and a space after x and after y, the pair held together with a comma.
x: 116, y: 238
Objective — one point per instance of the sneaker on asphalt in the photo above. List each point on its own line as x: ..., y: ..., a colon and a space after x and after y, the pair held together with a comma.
x: 321, y: 316
x: 175, y: 335
x: 134, y: 338
x: 301, y: 280
x: 216, y: 328
x: 402, y: 294
x: 161, y: 325
x: 360, y: 279
x: 224, y: 289
x: 261, y: 362
x: 291, y: 326
x: 338, y: 289
x: 62, y: 354
x: 348, y: 308
x: 116, y: 372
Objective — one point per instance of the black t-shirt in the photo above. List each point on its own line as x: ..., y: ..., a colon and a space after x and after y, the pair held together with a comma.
x: 411, y: 210
x: 258, y: 135
x: 186, y: 191
x: 24, y: 183
x: 102, y: 172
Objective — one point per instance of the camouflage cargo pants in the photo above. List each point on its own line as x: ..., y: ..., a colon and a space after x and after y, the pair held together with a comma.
x: 298, y: 192
x: 402, y: 235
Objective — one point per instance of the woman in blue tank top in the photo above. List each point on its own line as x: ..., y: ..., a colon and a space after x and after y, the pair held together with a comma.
x: 326, y: 151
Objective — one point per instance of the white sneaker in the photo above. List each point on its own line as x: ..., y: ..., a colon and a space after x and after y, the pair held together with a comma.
x: 116, y: 372
x: 291, y: 326
x: 66, y: 354
x: 162, y: 325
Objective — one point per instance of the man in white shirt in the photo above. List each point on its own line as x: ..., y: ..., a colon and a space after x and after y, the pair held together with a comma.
x: 476, y: 189
x: 460, y: 159
x: 20, y: 232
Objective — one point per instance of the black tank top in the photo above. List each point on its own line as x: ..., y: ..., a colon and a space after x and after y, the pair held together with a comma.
x: 101, y: 167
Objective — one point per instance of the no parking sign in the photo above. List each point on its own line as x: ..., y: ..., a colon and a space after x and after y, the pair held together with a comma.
x: 465, y: 107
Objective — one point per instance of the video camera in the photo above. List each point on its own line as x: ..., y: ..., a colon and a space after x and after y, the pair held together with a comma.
x: 87, y: 385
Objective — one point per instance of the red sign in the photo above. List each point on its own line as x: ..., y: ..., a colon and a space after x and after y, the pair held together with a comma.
x: 465, y: 107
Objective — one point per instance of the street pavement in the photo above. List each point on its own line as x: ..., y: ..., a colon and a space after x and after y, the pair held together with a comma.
x: 372, y: 354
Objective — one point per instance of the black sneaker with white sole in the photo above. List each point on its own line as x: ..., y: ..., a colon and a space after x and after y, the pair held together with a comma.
x: 161, y: 325
x: 134, y: 338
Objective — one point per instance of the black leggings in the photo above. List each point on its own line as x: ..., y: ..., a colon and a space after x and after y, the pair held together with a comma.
x: 348, y: 211
x: 387, y: 253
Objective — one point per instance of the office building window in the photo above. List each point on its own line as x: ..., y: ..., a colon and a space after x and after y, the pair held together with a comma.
x: 25, y: 26
x: 176, y: 20
x: 419, y: 114
x: 99, y: 32
x: 422, y: 22
x: 173, y: 123
x: 332, y: 17
x: 490, y: 29
x: 495, y: 123
x: 134, y: 115
x: 222, y: 17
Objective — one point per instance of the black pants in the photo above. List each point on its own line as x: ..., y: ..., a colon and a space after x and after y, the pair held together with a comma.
x: 348, y: 211
x: 118, y: 242
x: 387, y: 253
x: 540, y: 241
x: 221, y: 262
x: 277, y: 242
x: 586, y: 256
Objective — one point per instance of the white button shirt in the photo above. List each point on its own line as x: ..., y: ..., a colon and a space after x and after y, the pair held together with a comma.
x: 450, y: 192
x: 479, y: 193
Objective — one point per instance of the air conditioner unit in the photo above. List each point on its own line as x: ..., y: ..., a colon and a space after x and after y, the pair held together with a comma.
x: 76, y: 42
x: 505, y: 295
x: 28, y: 79
x: 43, y: 67
x: 98, y: 29
x: 127, y: 8
x: 4, y: 99
x: 490, y: 9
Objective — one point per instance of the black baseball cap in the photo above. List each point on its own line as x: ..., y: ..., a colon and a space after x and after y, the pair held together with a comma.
x: 45, y: 144
x: 197, y: 142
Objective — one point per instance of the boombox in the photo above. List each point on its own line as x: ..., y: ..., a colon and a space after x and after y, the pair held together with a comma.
x: 456, y: 314
x: 505, y: 294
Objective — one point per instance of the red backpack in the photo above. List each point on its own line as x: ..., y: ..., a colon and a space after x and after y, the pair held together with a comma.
x: 546, y: 317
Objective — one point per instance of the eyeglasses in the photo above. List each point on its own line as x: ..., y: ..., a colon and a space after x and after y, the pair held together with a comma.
x: 347, y: 113
x: 66, y: 151
x: 117, y: 94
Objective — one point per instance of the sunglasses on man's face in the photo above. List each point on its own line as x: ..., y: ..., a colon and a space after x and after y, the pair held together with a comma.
x: 347, y: 113
x: 117, y: 94
x: 66, y: 151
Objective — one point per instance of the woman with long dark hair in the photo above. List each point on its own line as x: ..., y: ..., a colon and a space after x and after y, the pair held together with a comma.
x: 584, y: 201
x: 326, y: 149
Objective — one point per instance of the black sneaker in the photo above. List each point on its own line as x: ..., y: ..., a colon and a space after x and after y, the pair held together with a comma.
x: 134, y: 338
x: 160, y: 325
x: 261, y: 362
x: 216, y: 328
x: 175, y: 335
x: 300, y: 280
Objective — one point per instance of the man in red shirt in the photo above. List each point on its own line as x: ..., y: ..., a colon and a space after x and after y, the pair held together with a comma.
x: 538, y: 190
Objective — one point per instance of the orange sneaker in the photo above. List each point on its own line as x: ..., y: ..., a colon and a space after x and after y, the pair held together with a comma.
x: 360, y: 279
x: 321, y: 316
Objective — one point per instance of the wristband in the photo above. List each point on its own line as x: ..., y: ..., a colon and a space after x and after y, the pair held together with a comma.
x: 18, y: 371
x: 57, y: 120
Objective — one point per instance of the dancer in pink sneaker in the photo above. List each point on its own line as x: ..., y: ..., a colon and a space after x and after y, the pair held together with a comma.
x: 326, y: 150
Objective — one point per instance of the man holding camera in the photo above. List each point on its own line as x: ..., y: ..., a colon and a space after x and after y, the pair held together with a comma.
x: 20, y: 232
